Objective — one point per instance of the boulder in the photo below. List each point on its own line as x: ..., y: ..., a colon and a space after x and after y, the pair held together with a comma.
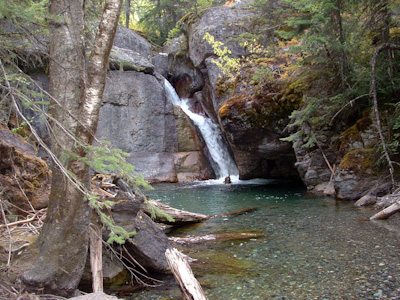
x: 220, y: 22
x: 366, y: 200
x: 135, y: 114
x: 149, y: 244
x: 129, y: 39
x: 128, y: 60
x: 160, y: 62
x: 351, y: 186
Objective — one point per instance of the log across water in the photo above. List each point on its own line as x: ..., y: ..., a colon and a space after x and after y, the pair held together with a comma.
x: 182, y: 217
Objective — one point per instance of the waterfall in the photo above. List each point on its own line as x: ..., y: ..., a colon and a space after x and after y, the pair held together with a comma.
x: 222, y: 162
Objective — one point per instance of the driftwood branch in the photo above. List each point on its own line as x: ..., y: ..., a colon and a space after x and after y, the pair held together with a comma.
x: 190, y: 287
x: 21, y: 221
x: 387, y: 212
x: 96, y: 258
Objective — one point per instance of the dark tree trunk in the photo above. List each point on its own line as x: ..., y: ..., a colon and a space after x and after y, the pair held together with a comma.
x: 127, y: 12
x: 342, y: 57
x: 64, y: 238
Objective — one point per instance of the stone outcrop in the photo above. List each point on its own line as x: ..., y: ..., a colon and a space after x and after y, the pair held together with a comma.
x: 128, y: 60
x: 137, y: 117
x: 352, y: 173
x: 253, y: 128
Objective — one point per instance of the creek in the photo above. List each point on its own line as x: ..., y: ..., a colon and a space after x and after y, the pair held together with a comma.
x: 307, y: 247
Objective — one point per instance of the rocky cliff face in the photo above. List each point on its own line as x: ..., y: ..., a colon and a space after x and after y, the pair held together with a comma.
x: 340, y: 164
x: 137, y: 117
x: 252, y: 127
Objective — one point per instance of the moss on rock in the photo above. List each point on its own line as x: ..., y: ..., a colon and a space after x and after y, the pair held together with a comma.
x: 359, y: 161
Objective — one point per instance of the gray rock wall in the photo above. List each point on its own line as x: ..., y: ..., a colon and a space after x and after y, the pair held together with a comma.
x: 137, y: 117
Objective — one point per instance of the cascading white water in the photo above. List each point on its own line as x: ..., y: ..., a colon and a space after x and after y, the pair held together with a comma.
x: 223, y: 162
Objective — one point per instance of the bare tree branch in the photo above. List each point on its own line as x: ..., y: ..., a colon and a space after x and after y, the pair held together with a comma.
x: 374, y: 96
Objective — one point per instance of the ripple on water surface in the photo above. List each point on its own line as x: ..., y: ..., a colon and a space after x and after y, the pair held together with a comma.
x: 311, y: 248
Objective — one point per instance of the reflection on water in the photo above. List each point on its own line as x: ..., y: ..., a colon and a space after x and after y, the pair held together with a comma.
x: 312, y: 248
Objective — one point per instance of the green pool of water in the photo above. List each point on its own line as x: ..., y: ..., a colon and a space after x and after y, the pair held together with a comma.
x: 310, y: 248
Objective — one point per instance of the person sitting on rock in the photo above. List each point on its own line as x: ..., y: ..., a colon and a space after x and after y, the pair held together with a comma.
x: 228, y: 179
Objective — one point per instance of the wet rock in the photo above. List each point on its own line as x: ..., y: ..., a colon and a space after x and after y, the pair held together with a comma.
x: 186, y: 79
x: 254, y: 136
x: 137, y: 118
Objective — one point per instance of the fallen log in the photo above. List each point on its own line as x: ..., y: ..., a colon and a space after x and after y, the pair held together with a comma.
x: 221, y: 237
x: 190, y: 287
x: 387, y: 212
x: 236, y: 212
x: 181, y: 217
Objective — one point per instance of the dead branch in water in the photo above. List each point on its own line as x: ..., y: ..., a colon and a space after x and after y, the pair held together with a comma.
x: 190, y: 287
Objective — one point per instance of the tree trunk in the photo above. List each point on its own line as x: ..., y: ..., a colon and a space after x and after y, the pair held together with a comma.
x: 64, y: 238
x: 180, y: 217
x: 374, y: 95
x: 127, y: 12
x: 342, y: 57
